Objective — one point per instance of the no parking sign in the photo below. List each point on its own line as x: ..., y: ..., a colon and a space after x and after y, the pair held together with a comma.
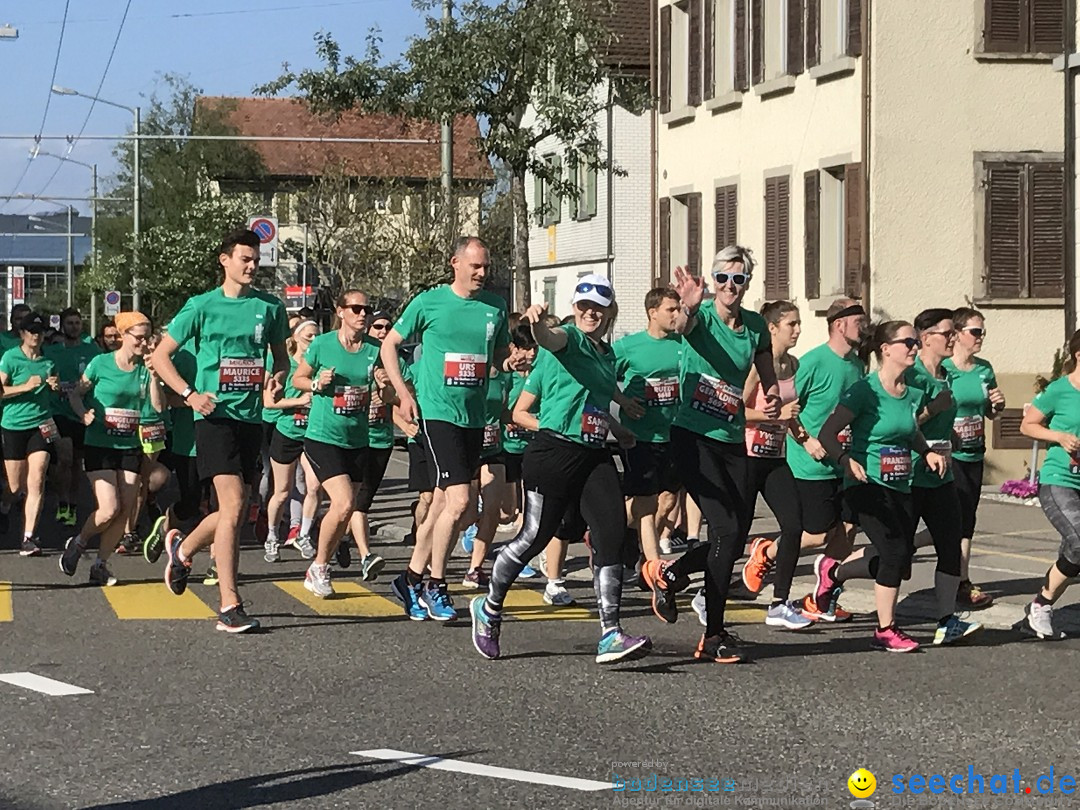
x: 267, y: 230
x: 112, y: 303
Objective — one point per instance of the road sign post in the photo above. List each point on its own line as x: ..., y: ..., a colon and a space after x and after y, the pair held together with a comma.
x: 112, y: 303
x: 267, y: 230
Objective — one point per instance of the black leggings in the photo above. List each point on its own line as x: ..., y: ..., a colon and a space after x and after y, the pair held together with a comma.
x: 888, y: 518
x: 772, y: 478
x: 969, y: 479
x: 939, y: 507
x: 715, y: 475
x: 557, y: 473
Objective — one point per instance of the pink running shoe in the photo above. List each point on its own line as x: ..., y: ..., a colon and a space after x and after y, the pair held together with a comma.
x: 892, y: 639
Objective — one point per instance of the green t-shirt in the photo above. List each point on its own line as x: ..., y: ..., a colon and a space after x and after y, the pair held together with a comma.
x: 575, y: 387
x: 231, y: 336
x: 71, y: 363
x: 9, y: 341
x: 270, y: 416
x: 715, y: 362
x: 459, y: 338
x: 498, y: 391
x: 938, y: 430
x: 882, y: 431
x: 183, y: 417
x: 822, y: 376
x: 648, y: 368
x: 380, y: 422
x: 291, y: 422
x: 31, y: 409
x: 118, y: 399
x: 1060, y: 404
x: 339, y: 410
x: 516, y: 439
x: 971, y: 390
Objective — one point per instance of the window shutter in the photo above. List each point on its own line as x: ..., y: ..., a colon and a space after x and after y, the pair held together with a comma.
x: 813, y: 33
x: 1047, y: 26
x: 854, y: 28
x: 795, y: 42
x: 1046, y: 229
x: 853, y: 230
x: 538, y: 200
x: 727, y: 216
x: 693, y: 55
x: 693, y: 233
x: 777, y: 227
x: 812, y: 233
x: 590, y: 192
x: 1004, y: 243
x: 1005, y: 26
x: 741, y: 82
x: 783, y: 238
x: 554, y: 212
x: 757, y: 40
x: 665, y: 240
x: 1006, y: 433
x: 574, y: 203
x: 708, y: 47
x: 665, y: 59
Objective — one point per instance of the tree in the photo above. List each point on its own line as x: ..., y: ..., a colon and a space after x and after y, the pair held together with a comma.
x: 492, y: 62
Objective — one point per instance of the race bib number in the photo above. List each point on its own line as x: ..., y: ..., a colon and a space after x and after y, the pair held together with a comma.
x: 519, y: 434
x: 491, y: 436
x: 895, y: 464
x: 971, y: 432
x: 300, y: 417
x: 767, y: 440
x: 660, y: 391
x: 717, y: 398
x: 152, y: 434
x: 240, y: 375
x: 377, y: 412
x: 464, y: 370
x: 121, y: 422
x: 49, y: 431
x: 844, y: 437
x: 67, y: 387
x: 594, y: 425
x: 350, y: 399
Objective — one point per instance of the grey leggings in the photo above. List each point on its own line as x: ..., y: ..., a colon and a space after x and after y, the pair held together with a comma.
x: 1062, y: 508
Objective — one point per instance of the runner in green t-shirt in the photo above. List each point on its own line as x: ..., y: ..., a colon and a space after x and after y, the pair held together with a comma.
x: 231, y: 329
x: 12, y: 337
x: 111, y: 399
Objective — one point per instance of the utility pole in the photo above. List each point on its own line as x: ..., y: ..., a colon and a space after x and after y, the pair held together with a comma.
x: 70, y: 263
x: 448, y: 150
x: 136, y: 299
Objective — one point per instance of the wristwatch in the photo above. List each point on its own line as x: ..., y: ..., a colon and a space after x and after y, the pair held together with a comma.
x: 187, y: 392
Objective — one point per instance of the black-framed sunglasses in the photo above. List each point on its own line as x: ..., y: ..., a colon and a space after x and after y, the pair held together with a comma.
x: 976, y: 332
x: 380, y: 326
x: 738, y: 279
x: 911, y: 343
x: 946, y: 334
x: 357, y: 309
x: 588, y: 287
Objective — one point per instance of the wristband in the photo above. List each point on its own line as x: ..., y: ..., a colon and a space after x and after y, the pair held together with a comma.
x: 690, y: 313
x: 314, y: 385
x: 187, y: 392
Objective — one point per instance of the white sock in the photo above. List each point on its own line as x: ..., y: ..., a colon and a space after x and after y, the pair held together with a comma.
x: 305, y: 526
x: 272, y: 534
x: 27, y: 535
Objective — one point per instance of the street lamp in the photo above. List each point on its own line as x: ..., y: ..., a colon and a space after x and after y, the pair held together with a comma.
x: 137, y: 182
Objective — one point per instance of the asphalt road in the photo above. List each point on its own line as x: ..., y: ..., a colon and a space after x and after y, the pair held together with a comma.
x: 181, y: 716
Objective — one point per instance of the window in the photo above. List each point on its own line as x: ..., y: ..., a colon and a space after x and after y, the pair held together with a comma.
x: 833, y: 30
x: 1024, y: 228
x: 681, y: 55
x: 583, y: 204
x: 777, y: 237
x: 549, y: 292
x: 833, y: 223
x: 680, y: 234
x: 547, y: 204
x: 725, y: 47
x: 727, y: 216
x: 1023, y: 26
x: 776, y: 38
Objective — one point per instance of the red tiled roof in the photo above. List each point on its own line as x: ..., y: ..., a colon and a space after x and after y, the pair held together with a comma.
x: 292, y: 117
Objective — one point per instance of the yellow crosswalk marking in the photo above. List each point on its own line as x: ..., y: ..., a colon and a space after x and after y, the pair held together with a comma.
x: 6, y: 613
x: 349, y: 599
x: 149, y: 600
x: 525, y: 604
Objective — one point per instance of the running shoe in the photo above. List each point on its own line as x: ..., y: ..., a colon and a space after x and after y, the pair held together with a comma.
x: 485, y: 628
x: 528, y: 572
x: 436, y: 600
x: 726, y: 648
x: 294, y: 532
x: 955, y: 629
x: 835, y: 613
x: 31, y: 547
x: 555, y: 594
x: 176, y: 571
x: 615, y: 645
x: 303, y: 545
x: 786, y: 615
x: 130, y: 544
x: 475, y: 578
x: 663, y: 592
x: 211, y: 576
x: 271, y: 551
x: 236, y: 620
x: 343, y: 555
x: 758, y: 566
x: 154, y: 543
x: 825, y: 581
x: 317, y: 580
x: 101, y: 575
x: 893, y: 639
x: 409, y: 596
x: 69, y: 560
x: 371, y: 566
x: 674, y: 543
x: 1039, y: 621
x: 972, y: 597
x: 698, y: 604
x: 468, y: 539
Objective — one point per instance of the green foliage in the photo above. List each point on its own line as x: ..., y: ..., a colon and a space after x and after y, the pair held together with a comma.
x: 1058, y: 368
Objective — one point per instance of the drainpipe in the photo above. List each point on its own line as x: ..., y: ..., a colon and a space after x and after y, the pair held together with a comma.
x: 864, y: 247
x: 653, y: 191
x: 611, y: 181
x: 1069, y: 151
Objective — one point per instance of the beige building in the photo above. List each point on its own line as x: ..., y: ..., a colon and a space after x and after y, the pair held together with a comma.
x: 907, y: 153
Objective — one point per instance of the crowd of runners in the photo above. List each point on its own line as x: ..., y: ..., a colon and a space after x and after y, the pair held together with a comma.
x: 510, y: 419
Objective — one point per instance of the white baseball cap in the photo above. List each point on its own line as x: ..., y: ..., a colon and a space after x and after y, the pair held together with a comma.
x: 595, y: 288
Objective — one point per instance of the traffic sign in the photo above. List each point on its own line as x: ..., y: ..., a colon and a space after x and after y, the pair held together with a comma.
x: 17, y: 285
x: 112, y: 303
x: 266, y: 228
x: 54, y: 321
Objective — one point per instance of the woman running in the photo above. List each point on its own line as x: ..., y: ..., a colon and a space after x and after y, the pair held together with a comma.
x: 29, y: 432
x: 1054, y: 418
x: 567, y: 461
x: 977, y: 396
x: 110, y: 400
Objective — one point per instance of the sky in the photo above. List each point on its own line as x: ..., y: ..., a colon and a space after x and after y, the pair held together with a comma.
x: 224, y: 47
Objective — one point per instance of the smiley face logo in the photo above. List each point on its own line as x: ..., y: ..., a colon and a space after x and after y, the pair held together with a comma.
x: 862, y: 784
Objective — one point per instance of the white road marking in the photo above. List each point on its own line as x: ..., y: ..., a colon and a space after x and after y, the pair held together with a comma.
x: 461, y: 766
x: 39, y: 683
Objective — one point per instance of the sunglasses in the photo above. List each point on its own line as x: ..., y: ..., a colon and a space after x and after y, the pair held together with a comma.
x: 587, y: 287
x: 357, y: 309
x: 380, y: 326
x: 911, y: 343
x: 139, y: 338
x: 738, y: 279
x: 976, y: 332
x: 948, y: 334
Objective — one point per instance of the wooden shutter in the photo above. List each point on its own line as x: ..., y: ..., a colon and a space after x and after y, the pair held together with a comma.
x: 854, y: 28
x: 693, y: 55
x: 665, y: 240
x: 693, y: 233
x: 727, y: 216
x: 813, y: 32
x: 795, y: 44
x: 708, y: 47
x: 757, y: 40
x: 575, y: 200
x: 590, y: 192
x: 1046, y: 229
x: 1005, y: 26
x: 812, y: 233
x: 538, y: 200
x: 777, y: 230
x: 665, y: 59
x: 1004, y: 241
x: 1047, y: 26
x: 853, y: 230
x: 554, y: 207
x: 1006, y: 433
x: 741, y: 40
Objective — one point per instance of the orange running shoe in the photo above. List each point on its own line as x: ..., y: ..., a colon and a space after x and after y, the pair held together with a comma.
x: 726, y: 648
x: 663, y: 594
x: 758, y: 566
x: 835, y: 613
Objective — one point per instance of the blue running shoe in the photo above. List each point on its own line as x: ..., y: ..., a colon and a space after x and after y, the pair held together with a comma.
x: 409, y: 596
x: 528, y: 572
x: 615, y: 645
x: 436, y: 598
x: 485, y: 629
x: 177, y: 571
x: 468, y: 537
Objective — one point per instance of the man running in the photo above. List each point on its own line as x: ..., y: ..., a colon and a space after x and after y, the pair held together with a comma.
x: 231, y: 328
